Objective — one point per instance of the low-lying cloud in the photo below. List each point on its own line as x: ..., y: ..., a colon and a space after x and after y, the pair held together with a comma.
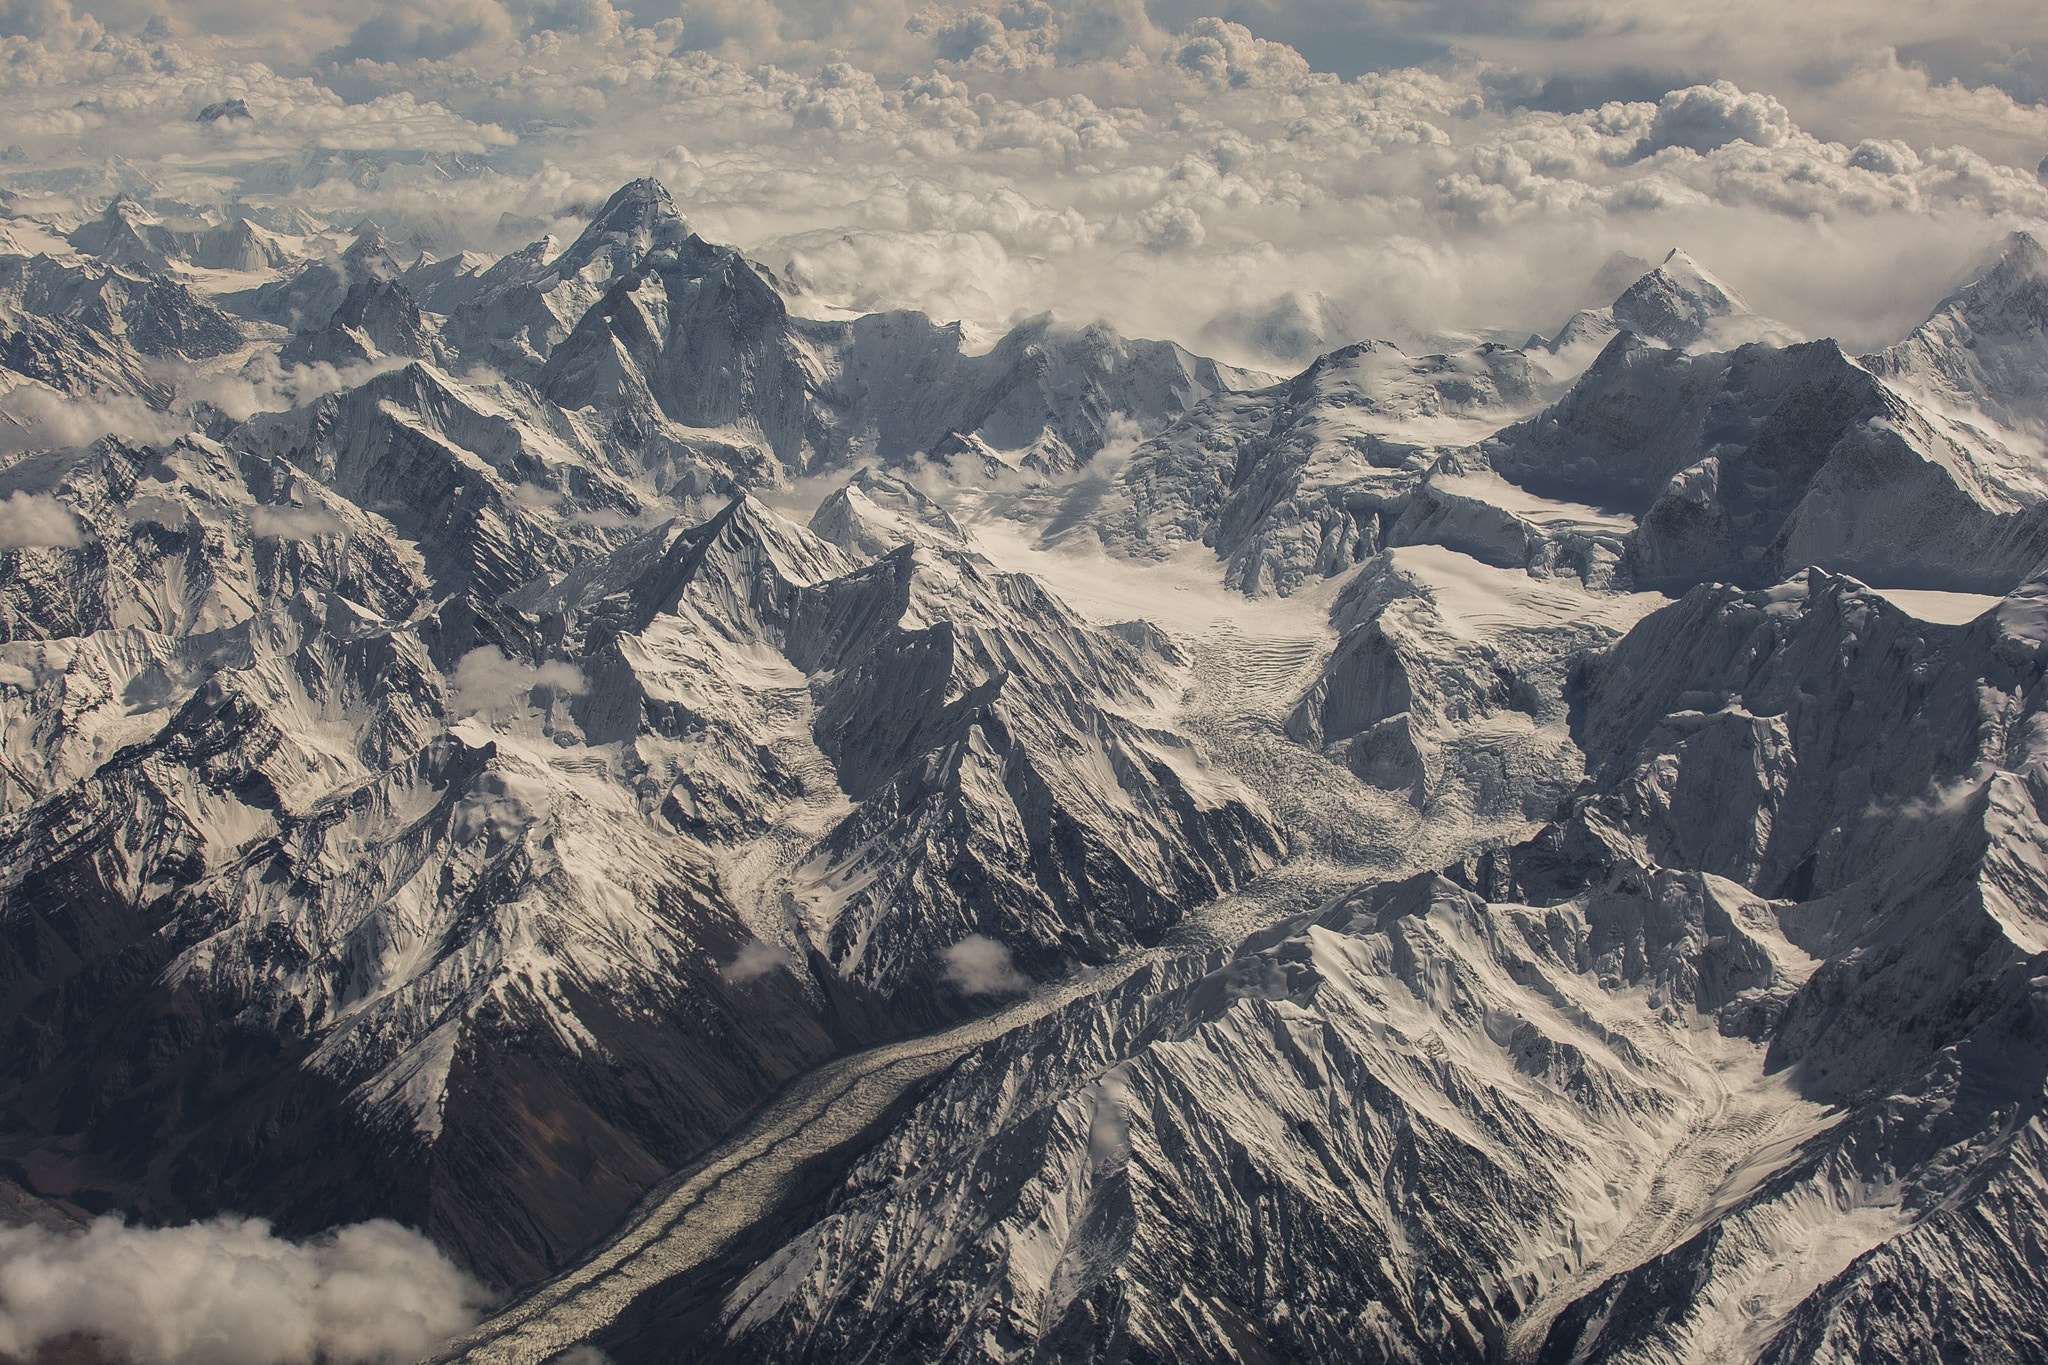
x: 754, y: 961
x: 978, y: 965
x: 37, y: 520
x: 486, y: 681
x: 33, y: 417
x: 1164, y: 169
x: 230, y: 1292
x: 282, y: 522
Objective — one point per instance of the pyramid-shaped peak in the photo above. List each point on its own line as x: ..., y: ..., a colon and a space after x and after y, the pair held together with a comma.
x: 1675, y: 302
x: 1986, y: 345
x: 645, y: 198
x: 2024, y: 258
x: 370, y: 241
x: 1696, y: 278
x: 369, y: 255
x: 876, y: 512
x: 727, y: 563
x: 640, y: 218
x: 125, y: 208
x: 2009, y: 294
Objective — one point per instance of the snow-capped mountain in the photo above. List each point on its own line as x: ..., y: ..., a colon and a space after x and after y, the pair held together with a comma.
x: 1721, y: 1064
x: 393, y: 758
x: 787, y: 837
x: 87, y: 329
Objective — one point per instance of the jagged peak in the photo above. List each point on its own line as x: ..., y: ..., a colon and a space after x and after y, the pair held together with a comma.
x: 125, y: 208
x: 640, y: 218
x: 370, y: 240
x: 2022, y: 265
x: 743, y: 532
x: 1680, y: 266
x: 874, y: 512
x: 1675, y: 302
x: 2025, y: 248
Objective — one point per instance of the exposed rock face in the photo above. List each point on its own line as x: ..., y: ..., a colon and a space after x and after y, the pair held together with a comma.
x: 308, y: 299
x: 1986, y: 348
x: 1299, y: 481
x: 376, y: 318
x: 1676, y: 303
x: 642, y: 316
x: 91, y: 329
x: 1748, y: 463
x: 446, y: 788
x: 875, y: 512
x: 972, y: 720
x: 127, y: 234
x: 444, y: 835
x: 1502, y: 1094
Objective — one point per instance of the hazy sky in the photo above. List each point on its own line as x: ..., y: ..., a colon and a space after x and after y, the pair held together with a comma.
x: 1285, y: 169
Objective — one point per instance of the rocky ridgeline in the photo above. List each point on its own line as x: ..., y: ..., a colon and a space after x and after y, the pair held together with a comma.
x: 450, y: 789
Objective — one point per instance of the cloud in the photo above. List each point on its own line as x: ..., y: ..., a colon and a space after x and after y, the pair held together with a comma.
x: 486, y: 681
x: 37, y: 519
x: 229, y: 1292
x: 36, y: 417
x: 1817, y: 59
x: 754, y: 960
x: 45, y: 20
x: 264, y: 385
x: 427, y: 29
x: 1174, y: 172
x: 978, y: 965
x: 294, y: 523
x: 1703, y: 117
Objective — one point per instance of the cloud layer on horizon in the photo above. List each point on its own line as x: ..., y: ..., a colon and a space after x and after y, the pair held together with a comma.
x: 1170, y: 172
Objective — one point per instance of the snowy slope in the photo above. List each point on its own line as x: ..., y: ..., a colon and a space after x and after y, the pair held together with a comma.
x: 1566, y: 1101
x: 1438, y: 858
x: 482, y: 808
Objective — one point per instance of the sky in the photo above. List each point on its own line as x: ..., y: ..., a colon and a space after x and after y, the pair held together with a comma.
x: 1258, y: 179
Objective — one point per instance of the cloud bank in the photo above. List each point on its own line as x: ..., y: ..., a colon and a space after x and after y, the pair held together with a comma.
x: 1167, y: 169
x: 229, y: 1292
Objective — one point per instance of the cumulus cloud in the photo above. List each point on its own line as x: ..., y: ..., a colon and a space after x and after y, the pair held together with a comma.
x: 427, y: 29
x: 755, y: 960
x: 37, y: 519
x: 486, y: 681
x: 1844, y: 70
x: 229, y: 1292
x: 1703, y: 117
x: 978, y: 965
x: 1171, y: 171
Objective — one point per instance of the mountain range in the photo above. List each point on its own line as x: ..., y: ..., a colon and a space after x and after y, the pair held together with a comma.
x: 1524, y: 853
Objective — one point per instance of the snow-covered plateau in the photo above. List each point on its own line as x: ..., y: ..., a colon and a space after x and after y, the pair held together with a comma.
x: 779, y: 839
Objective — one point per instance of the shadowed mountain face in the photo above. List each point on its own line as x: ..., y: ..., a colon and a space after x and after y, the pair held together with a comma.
x: 1525, y: 853
x: 412, y: 811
